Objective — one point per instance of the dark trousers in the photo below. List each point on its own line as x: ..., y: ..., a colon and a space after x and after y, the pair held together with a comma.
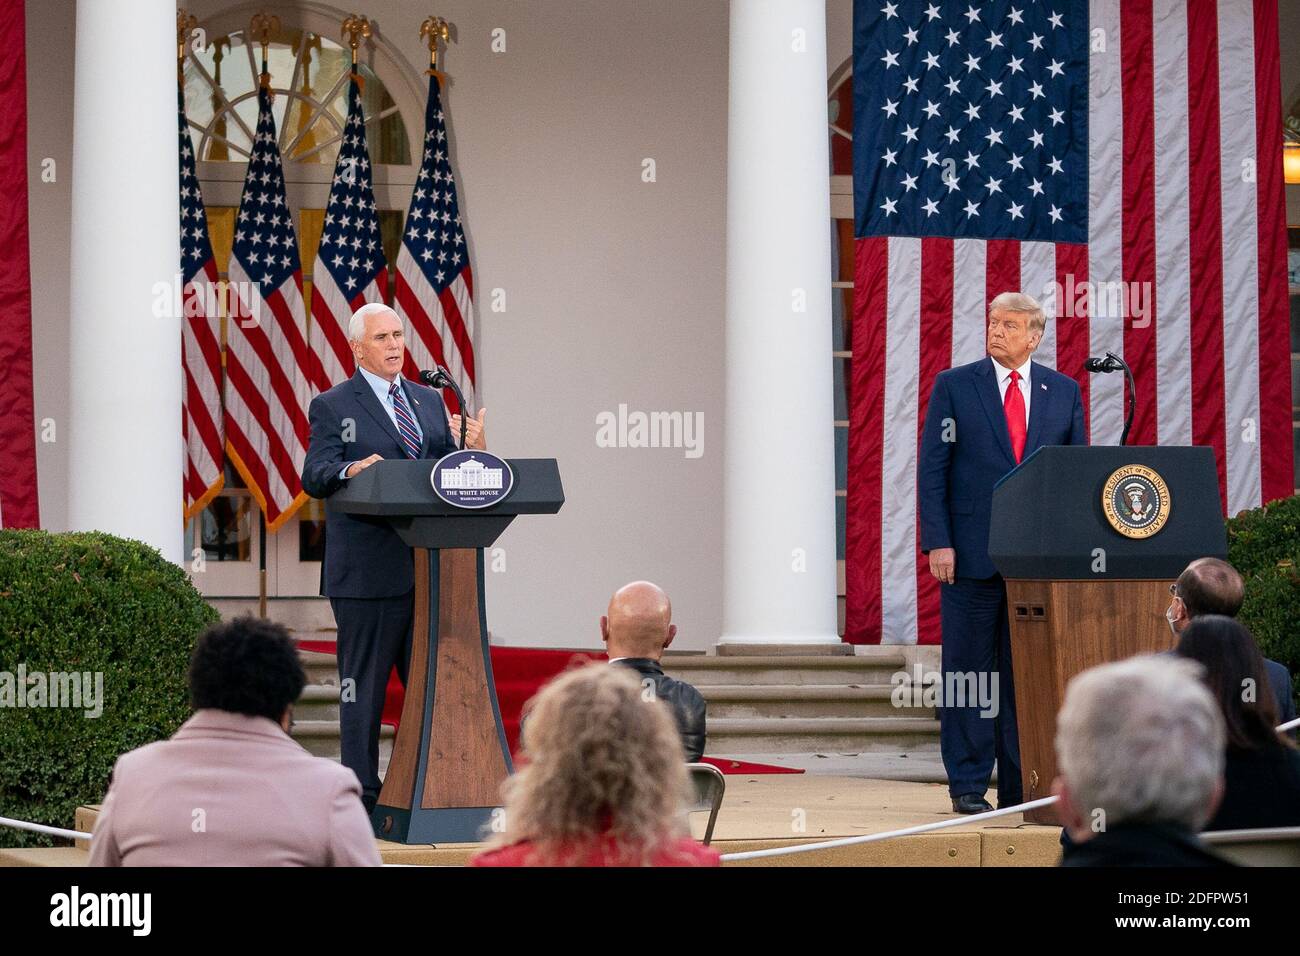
x: 374, y: 635
x: 977, y: 641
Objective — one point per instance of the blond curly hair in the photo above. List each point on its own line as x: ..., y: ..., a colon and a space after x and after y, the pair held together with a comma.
x: 601, y: 758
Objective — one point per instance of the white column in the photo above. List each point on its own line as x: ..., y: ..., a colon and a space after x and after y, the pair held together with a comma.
x: 779, y: 477
x: 124, y: 432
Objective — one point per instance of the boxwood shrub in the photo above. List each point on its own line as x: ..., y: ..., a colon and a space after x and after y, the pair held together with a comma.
x: 86, y: 603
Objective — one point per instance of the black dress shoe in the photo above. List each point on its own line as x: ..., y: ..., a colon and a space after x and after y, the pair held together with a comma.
x: 970, y: 803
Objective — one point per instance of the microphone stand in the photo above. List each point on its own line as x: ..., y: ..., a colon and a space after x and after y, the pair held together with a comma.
x: 440, y: 379
x: 1132, y: 396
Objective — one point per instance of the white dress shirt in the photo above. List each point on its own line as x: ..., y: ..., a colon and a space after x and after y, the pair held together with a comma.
x: 381, y: 388
x: 1004, y: 379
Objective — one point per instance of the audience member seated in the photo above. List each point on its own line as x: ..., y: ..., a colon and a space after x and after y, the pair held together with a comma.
x: 231, y: 787
x: 1212, y: 586
x: 636, y: 630
x: 601, y: 781
x: 1139, y: 750
x: 1262, y: 768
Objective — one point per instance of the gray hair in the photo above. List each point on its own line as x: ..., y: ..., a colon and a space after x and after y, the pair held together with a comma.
x: 1025, y: 304
x: 1141, y: 741
x: 357, y: 324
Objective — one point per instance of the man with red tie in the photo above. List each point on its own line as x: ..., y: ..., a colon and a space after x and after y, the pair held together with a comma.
x: 982, y: 421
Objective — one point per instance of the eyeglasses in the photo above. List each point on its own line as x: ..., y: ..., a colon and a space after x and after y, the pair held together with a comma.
x: 1173, y: 589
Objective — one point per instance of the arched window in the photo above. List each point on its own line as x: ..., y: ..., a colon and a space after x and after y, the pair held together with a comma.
x: 309, y: 77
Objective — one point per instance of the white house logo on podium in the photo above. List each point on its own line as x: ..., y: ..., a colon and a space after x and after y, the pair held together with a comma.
x: 1136, y: 501
x: 472, y: 479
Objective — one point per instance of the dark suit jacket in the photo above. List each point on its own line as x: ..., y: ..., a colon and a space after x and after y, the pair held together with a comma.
x: 364, y: 557
x: 1279, y: 678
x: 687, y: 703
x: 955, y: 478
x: 1261, y: 788
x: 1152, y: 844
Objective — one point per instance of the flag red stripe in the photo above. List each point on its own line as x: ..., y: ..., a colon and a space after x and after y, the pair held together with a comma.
x: 1139, y: 228
x: 1206, y: 225
x: 459, y: 334
x: 258, y: 408
x: 196, y: 410
x: 256, y: 477
x: 257, y: 339
x: 866, y: 441
x: 1073, y: 309
x: 1276, y: 449
x: 331, y: 327
x: 936, y: 355
x: 1002, y: 269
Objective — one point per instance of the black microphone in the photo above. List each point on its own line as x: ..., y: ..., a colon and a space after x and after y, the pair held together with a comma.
x: 1113, y: 363
x: 442, y: 379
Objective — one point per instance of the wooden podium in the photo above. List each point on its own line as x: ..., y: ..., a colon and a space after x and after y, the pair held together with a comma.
x: 1080, y: 592
x: 450, y: 756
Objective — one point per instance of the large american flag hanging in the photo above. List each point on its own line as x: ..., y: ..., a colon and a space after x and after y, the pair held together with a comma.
x: 350, y: 269
x: 269, y: 367
x: 201, y: 424
x: 1119, y: 160
x: 435, y: 286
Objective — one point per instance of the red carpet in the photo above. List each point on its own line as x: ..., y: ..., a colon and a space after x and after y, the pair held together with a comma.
x: 519, y: 673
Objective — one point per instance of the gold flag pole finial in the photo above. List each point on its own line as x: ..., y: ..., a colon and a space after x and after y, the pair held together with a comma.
x: 434, y: 29
x: 356, y: 28
x: 262, y: 27
x: 185, y: 23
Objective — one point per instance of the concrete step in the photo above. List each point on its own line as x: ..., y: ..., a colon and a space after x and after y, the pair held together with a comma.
x: 702, y: 670
x: 809, y: 700
x: 318, y: 702
x: 757, y: 735
x: 784, y: 650
x: 320, y: 668
x: 321, y: 737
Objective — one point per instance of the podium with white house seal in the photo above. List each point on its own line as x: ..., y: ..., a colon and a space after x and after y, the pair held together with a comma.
x: 450, y: 756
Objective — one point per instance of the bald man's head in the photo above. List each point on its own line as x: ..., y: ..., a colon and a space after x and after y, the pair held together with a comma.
x: 638, y: 622
x: 1211, y: 586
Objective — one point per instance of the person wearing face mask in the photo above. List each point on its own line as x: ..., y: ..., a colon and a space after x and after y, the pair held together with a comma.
x: 1213, y: 586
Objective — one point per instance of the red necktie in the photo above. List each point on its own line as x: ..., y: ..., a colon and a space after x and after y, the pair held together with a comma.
x: 1014, y: 407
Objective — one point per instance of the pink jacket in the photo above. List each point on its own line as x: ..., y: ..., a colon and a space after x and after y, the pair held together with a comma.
x: 231, y: 790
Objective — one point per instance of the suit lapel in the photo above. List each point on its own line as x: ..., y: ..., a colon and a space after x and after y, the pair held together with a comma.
x: 986, y: 383
x: 366, y: 397
x: 1042, y: 394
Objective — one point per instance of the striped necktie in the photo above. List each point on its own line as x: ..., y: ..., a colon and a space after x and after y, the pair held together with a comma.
x: 405, y: 422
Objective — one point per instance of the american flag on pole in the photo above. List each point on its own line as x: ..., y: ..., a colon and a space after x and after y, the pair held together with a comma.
x: 435, y: 286
x: 201, y: 425
x: 350, y: 269
x: 1121, y: 161
x: 269, y: 368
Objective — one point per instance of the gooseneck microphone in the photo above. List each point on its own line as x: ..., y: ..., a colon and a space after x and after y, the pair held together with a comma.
x: 442, y: 379
x: 1113, y: 363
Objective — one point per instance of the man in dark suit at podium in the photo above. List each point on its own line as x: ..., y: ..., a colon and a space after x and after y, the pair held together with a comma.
x: 982, y: 421
x: 368, y: 572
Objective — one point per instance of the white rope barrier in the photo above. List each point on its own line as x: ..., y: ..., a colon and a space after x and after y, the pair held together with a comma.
x: 890, y: 834
x: 42, y: 828
x: 729, y: 857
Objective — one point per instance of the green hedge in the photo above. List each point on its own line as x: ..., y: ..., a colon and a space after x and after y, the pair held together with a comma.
x: 1264, y: 545
x: 93, y: 603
